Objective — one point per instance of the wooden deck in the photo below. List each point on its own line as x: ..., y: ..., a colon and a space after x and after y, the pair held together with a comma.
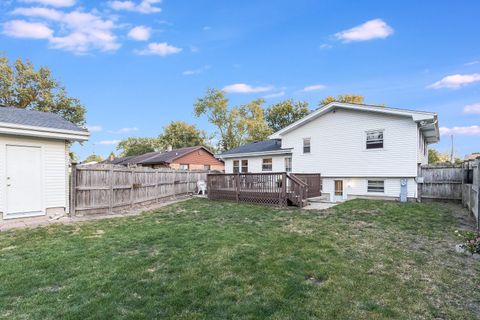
x: 277, y: 189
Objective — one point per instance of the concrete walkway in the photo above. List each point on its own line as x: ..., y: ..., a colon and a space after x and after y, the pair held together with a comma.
x: 23, y: 223
x: 319, y: 205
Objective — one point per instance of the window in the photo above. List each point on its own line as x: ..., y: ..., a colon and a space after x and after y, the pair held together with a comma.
x: 206, y: 167
x: 376, y: 186
x: 288, y: 164
x: 267, y: 164
x: 244, y: 166
x: 236, y: 166
x: 306, y: 145
x: 375, y: 139
x: 338, y: 187
x: 184, y: 166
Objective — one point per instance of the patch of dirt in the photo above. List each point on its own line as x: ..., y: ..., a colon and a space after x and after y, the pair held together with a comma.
x: 315, y: 280
x: 359, y: 224
x: 372, y: 212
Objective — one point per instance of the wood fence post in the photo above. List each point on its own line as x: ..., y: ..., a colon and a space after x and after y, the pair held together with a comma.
x: 132, y: 181
x: 157, y: 186
x: 73, y: 189
x: 237, y: 187
x: 110, y: 202
x: 419, y: 185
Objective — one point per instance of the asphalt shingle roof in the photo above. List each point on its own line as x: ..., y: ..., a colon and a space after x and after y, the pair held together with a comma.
x: 259, y: 146
x: 36, y: 119
x: 154, y: 157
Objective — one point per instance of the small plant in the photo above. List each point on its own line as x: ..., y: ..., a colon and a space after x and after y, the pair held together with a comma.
x: 471, y: 241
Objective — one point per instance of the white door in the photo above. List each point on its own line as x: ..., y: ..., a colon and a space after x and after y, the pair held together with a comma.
x: 338, y: 191
x: 24, y: 181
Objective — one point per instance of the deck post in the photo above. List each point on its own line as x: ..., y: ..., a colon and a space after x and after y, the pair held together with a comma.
x: 283, y: 193
x: 237, y: 187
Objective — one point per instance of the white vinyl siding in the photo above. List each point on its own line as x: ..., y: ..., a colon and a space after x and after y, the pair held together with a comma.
x: 338, y: 145
x: 255, y: 164
x: 54, y: 164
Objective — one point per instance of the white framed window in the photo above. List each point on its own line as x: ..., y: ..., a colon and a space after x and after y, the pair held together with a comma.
x: 377, y: 186
x: 236, y: 166
x: 206, y: 167
x: 244, y: 166
x: 306, y: 145
x: 267, y: 164
x: 288, y: 164
x: 184, y: 166
x: 374, y: 139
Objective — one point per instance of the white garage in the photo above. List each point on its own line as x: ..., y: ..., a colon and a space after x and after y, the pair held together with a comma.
x: 34, y: 162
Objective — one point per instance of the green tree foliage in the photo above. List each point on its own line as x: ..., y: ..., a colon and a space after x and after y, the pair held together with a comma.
x: 134, y: 146
x: 179, y: 134
x: 93, y: 157
x: 236, y: 125
x: 437, y: 157
x: 345, y: 98
x: 284, y: 113
x: 22, y: 86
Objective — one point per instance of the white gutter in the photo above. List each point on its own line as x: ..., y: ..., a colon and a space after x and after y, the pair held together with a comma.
x: 43, y: 132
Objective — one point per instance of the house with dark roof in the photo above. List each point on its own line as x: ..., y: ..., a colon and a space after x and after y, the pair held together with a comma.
x: 360, y: 150
x: 34, y: 162
x: 189, y: 158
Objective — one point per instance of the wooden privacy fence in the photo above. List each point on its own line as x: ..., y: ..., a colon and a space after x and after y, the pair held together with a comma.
x: 107, y: 188
x: 278, y: 189
x: 441, y: 182
x: 471, y: 188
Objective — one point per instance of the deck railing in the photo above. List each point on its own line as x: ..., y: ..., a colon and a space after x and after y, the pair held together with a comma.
x: 273, y: 188
x: 314, y: 182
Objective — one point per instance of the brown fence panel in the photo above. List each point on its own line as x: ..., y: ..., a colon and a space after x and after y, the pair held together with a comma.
x: 314, y: 182
x: 471, y: 190
x: 106, y: 188
x: 441, y: 182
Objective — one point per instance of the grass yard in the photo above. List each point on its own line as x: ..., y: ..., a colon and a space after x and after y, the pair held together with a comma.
x: 216, y: 260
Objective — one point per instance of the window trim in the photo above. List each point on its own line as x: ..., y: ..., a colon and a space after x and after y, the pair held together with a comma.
x: 376, y: 180
x: 288, y: 159
x: 242, y: 166
x: 263, y: 164
x: 184, y: 164
x: 309, y: 145
x: 238, y: 166
x: 366, y: 139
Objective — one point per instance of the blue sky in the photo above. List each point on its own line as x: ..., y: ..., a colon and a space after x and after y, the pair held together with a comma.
x: 137, y: 65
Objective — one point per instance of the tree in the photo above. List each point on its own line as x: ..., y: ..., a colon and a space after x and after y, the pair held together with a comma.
x: 22, y: 86
x: 252, y: 117
x: 93, y: 157
x: 235, y: 125
x: 179, y: 134
x: 135, y: 146
x: 345, y: 98
x: 434, y: 156
x: 281, y: 114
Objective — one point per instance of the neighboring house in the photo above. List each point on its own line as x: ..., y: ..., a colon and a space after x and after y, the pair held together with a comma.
x: 360, y: 150
x: 189, y: 158
x: 472, y: 156
x: 34, y: 162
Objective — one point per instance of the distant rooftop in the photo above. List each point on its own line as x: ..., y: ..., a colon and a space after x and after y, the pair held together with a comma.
x: 258, y: 146
x: 36, y: 119
x: 152, y: 158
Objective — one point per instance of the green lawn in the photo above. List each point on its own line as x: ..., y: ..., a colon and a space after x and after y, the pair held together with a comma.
x: 200, y: 259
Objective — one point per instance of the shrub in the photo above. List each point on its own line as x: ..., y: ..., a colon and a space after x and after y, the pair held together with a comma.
x: 471, y: 240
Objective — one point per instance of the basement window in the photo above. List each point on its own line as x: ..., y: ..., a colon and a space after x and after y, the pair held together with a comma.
x: 375, y: 139
x: 377, y: 186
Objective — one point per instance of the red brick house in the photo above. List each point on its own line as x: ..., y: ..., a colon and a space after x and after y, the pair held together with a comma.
x: 189, y: 158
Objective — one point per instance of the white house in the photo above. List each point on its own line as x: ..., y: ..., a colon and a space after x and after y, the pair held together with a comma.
x: 360, y: 150
x: 34, y: 162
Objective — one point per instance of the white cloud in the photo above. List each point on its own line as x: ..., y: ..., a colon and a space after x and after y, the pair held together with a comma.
x: 94, y: 128
x: 372, y: 29
x: 275, y: 95
x: 46, y: 13
x: 124, y: 130
x: 24, y: 29
x: 472, y: 108
x: 325, y: 46
x: 472, y: 63
x: 314, y: 87
x: 53, y: 3
x: 80, y: 31
x: 109, y: 142
x: 455, y: 81
x: 195, y: 71
x: 140, y: 33
x: 160, y: 49
x: 144, y: 6
x: 245, y: 88
x: 467, y: 131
